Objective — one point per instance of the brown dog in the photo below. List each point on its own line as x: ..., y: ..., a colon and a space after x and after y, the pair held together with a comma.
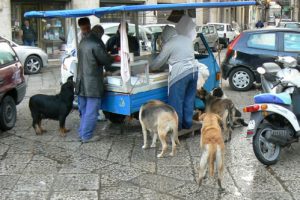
x: 212, y: 146
x: 159, y: 119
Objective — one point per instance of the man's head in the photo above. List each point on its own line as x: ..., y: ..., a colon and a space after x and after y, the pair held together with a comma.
x: 98, y: 31
x: 26, y: 22
x: 85, y: 25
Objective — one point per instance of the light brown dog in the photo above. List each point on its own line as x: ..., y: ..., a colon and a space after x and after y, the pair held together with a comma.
x: 212, y: 146
x: 159, y: 119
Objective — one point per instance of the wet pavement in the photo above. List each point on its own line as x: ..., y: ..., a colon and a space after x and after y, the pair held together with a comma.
x: 116, y: 166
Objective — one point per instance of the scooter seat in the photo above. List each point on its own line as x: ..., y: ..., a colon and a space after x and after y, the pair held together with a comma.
x: 281, y: 98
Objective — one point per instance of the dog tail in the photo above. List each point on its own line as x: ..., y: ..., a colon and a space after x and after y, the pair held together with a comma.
x: 212, y: 157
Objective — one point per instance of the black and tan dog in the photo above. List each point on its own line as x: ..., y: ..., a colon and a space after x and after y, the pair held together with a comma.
x: 159, y: 119
x: 56, y: 107
x: 218, y: 103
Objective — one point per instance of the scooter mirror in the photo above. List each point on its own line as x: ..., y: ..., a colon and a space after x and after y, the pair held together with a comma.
x: 261, y: 70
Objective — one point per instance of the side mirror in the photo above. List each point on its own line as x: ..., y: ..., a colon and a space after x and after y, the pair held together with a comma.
x: 261, y: 70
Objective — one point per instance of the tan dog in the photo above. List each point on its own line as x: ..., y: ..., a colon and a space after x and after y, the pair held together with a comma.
x: 159, y: 119
x: 212, y: 146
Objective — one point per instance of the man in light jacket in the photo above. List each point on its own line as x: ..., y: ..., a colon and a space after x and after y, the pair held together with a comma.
x: 178, y: 52
x: 92, y: 57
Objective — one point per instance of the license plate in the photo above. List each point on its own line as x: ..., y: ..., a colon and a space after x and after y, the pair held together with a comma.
x: 251, y: 125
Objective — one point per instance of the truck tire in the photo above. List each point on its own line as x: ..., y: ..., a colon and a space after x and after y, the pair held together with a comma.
x: 8, y: 113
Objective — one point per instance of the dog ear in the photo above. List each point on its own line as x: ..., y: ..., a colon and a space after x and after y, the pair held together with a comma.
x: 219, y: 119
x: 201, y: 117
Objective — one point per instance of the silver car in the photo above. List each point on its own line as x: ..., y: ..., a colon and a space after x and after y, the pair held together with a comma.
x: 32, y: 58
x: 211, y: 36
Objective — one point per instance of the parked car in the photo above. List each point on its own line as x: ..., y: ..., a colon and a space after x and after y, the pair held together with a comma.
x: 12, y: 85
x: 32, y: 58
x: 156, y: 28
x: 293, y: 25
x: 253, y: 48
x: 211, y: 36
x: 225, y: 32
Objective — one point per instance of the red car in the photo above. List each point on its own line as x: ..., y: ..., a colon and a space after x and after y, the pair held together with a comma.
x: 12, y: 85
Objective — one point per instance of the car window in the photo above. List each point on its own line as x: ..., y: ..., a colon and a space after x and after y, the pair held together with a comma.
x: 205, y: 30
x: 198, y: 28
x: 156, y: 29
x: 220, y: 27
x: 292, y: 42
x: 262, y: 41
x: 7, y: 55
x: 211, y: 29
x: 292, y: 25
x: 229, y: 28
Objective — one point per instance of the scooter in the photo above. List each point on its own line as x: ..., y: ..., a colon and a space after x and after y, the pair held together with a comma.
x: 275, y: 118
x: 270, y: 72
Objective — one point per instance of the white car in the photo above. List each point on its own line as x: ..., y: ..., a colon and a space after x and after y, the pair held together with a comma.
x: 157, y: 28
x: 32, y: 58
x: 225, y: 32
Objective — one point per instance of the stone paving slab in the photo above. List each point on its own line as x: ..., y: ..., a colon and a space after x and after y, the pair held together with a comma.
x: 49, y: 166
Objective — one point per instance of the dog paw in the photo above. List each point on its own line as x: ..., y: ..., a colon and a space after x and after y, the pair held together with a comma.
x: 153, y: 146
x: 172, y: 154
x: 144, y: 147
x: 160, y: 155
x: 221, y: 190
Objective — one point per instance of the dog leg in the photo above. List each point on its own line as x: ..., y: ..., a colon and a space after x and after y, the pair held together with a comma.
x: 174, y: 139
x: 162, y: 137
x: 203, y: 165
x: 220, y: 167
x: 63, y: 131
x: 37, y: 129
x: 154, y: 140
x: 41, y: 128
x: 145, y: 136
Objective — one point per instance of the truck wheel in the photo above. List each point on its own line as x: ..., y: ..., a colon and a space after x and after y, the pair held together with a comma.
x: 266, y: 152
x: 114, y: 118
x: 8, y: 113
x: 241, y: 79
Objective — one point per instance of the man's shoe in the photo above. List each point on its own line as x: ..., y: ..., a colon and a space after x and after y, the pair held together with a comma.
x: 93, y: 139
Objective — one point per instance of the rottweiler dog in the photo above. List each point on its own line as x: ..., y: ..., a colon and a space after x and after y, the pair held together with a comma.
x: 55, y: 107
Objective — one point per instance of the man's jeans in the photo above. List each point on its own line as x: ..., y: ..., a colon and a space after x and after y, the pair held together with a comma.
x: 182, y: 98
x: 88, y: 108
x: 28, y: 43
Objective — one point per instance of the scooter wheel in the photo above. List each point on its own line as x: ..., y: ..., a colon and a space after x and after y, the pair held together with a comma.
x: 266, y: 152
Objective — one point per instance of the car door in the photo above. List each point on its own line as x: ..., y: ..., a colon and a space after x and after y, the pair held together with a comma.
x: 213, y: 34
x: 9, y: 65
x: 206, y: 34
x: 258, y: 48
x: 230, y: 33
x: 289, y: 44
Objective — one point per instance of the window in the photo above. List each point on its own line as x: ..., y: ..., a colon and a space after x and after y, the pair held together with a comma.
x: 7, y: 55
x: 205, y: 30
x: 262, y: 41
x: 211, y: 29
x: 219, y: 27
x: 292, y: 25
x: 292, y: 42
x: 229, y: 28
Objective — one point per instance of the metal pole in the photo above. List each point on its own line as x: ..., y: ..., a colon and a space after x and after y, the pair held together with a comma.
x: 74, y: 24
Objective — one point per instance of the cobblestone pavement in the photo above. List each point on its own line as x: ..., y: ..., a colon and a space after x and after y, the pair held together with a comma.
x: 116, y: 167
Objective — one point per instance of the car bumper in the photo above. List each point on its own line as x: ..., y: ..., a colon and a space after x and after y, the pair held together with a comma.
x: 44, y: 58
x: 226, y: 68
x: 21, y: 91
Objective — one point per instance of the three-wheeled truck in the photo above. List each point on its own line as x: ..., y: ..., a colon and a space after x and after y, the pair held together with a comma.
x: 123, y: 97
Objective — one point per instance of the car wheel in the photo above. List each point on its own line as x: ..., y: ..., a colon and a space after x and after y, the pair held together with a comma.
x: 196, y: 47
x: 215, y: 47
x: 226, y: 43
x: 8, y: 113
x: 33, y: 65
x: 241, y: 79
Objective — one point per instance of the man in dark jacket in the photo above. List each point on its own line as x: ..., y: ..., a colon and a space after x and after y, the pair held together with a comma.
x: 92, y: 57
x: 113, y: 44
x: 28, y: 34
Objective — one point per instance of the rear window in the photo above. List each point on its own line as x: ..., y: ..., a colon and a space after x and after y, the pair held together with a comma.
x: 211, y: 29
x: 262, y: 41
x: 7, y: 55
x: 292, y: 42
x: 219, y: 27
